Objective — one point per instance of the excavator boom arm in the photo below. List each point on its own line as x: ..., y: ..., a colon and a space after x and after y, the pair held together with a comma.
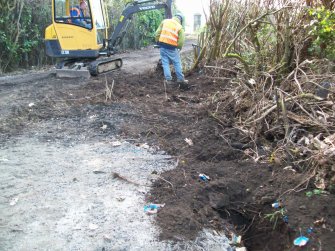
x: 135, y: 7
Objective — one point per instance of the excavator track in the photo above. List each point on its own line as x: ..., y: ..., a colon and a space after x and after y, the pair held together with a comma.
x: 72, y: 68
x: 104, y: 65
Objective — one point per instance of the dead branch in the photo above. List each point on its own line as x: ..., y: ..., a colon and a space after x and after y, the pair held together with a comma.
x: 248, y: 24
x: 109, y: 90
x: 172, y: 187
x: 273, y: 107
x: 220, y: 68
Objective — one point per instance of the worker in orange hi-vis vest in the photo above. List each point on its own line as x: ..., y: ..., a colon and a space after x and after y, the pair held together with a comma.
x: 170, y: 37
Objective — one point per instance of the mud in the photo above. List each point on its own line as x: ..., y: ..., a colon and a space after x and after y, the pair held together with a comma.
x: 58, y: 153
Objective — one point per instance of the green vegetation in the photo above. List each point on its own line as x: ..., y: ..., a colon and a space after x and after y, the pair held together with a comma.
x: 21, y: 34
x: 275, y: 216
x: 322, y: 28
x: 142, y: 27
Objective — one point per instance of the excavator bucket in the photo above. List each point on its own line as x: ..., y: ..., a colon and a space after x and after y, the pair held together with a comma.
x: 67, y: 69
x: 67, y: 73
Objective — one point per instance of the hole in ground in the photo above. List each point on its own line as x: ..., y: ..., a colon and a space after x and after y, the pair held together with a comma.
x: 258, y: 233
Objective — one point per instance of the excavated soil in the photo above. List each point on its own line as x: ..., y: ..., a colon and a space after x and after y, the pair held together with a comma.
x: 240, y: 192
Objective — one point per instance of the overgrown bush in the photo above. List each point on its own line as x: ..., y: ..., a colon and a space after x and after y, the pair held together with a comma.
x: 322, y: 28
x: 260, y: 34
x: 283, y: 96
x: 22, y: 24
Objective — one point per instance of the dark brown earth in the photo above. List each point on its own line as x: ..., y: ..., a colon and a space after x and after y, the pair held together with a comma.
x: 240, y: 192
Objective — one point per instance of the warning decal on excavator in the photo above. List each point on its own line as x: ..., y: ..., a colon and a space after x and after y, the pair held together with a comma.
x: 65, y: 52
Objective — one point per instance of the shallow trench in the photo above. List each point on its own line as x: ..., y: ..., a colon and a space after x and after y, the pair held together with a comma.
x: 259, y: 233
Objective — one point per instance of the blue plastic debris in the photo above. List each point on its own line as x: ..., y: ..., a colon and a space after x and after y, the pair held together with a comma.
x: 301, y: 241
x: 310, y: 230
x: 153, y: 208
x: 150, y: 207
x: 276, y: 205
x: 285, y: 218
x: 204, y: 177
x: 235, y: 239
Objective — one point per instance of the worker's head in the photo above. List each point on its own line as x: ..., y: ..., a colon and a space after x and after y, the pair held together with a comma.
x: 83, y: 5
x: 180, y: 18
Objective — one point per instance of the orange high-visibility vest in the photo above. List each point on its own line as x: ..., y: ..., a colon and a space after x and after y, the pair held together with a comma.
x: 75, y: 11
x: 169, y: 34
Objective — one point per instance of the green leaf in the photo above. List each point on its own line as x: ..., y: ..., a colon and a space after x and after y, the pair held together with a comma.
x: 317, y: 191
x: 309, y: 194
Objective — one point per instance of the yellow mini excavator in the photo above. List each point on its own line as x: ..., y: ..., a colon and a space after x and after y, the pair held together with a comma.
x: 79, y: 34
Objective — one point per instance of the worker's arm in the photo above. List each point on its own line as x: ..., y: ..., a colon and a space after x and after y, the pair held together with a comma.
x: 181, y: 38
x: 158, y: 32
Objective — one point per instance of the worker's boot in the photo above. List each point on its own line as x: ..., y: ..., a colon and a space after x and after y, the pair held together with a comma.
x: 170, y: 85
x: 183, y: 84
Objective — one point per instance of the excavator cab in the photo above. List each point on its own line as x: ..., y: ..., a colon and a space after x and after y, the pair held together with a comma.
x: 78, y: 29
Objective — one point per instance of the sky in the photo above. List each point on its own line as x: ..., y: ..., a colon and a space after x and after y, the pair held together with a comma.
x: 191, y: 4
x: 191, y: 7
